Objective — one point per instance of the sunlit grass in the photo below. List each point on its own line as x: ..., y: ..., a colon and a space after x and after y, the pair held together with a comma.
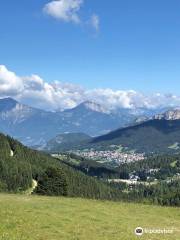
x: 48, y: 218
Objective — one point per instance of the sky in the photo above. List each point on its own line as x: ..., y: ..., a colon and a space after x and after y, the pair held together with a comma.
x: 116, y: 48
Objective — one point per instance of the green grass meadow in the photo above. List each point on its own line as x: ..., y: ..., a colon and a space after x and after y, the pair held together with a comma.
x: 48, y: 218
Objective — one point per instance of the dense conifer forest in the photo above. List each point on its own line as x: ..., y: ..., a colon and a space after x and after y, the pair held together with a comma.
x: 19, y: 165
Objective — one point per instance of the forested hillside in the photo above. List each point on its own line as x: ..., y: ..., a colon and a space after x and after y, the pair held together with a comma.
x: 158, y: 177
x: 153, y: 136
x: 15, y: 169
x: 66, y: 141
x: 19, y: 165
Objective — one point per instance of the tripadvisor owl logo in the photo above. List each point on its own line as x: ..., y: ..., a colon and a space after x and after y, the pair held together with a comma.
x: 139, y: 231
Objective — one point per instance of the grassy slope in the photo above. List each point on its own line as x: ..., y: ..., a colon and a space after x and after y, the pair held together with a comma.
x: 44, y: 218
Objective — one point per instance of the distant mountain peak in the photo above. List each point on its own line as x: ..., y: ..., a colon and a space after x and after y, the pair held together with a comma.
x: 173, y: 114
x: 7, y: 104
x: 8, y: 99
x: 94, y: 107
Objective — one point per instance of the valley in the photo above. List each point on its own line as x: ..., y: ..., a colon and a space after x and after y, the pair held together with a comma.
x: 155, y: 179
x: 90, y: 120
x: 130, y: 168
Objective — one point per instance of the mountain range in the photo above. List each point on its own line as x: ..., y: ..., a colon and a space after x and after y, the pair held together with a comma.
x: 34, y: 126
x: 159, y: 134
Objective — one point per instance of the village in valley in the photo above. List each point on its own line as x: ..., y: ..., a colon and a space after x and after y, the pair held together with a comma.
x: 115, y: 156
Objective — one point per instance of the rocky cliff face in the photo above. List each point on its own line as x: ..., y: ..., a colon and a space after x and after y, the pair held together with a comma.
x: 169, y: 115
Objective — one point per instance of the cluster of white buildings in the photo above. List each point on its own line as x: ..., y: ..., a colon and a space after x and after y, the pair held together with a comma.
x: 115, y: 156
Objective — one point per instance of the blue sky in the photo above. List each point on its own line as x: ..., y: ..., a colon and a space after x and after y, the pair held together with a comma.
x: 136, y: 45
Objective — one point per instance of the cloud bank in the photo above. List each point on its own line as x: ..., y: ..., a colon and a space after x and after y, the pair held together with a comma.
x: 36, y: 92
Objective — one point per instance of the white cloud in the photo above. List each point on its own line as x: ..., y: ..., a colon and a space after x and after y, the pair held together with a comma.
x: 9, y: 82
x: 38, y: 93
x: 65, y: 10
x: 69, y: 11
x: 94, y: 21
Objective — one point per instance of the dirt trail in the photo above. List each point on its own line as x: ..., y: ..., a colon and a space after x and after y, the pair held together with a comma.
x: 31, y: 190
x: 11, y: 153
